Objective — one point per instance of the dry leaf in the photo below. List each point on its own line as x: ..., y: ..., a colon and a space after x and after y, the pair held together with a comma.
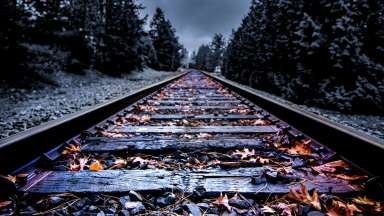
x: 82, y: 163
x: 204, y: 135
x: 331, y: 167
x: 112, y: 134
x: 142, y: 162
x: 71, y: 149
x: 96, y: 166
x: 342, y: 209
x: 145, y: 118
x: 267, y: 209
x: 223, y: 202
x: 365, y: 201
x: 119, y: 163
x: 301, y: 148
x: 303, y: 196
x: 244, y: 153
x: 74, y: 167
x: 260, y: 122
x: 10, y: 178
x: 4, y: 204
x: 348, y: 178
x: 146, y: 108
x: 377, y: 206
x: 285, y: 209
x: 187, y: 136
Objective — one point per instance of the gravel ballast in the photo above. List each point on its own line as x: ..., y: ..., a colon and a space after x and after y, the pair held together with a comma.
x: 372, y: 125
x: 22, y: 109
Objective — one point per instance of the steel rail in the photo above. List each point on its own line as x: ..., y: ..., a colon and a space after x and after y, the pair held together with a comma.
x: 363, y: 150
x: 30, y: 145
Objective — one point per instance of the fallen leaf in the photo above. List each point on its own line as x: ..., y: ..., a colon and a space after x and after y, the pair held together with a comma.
x: 145, y: 118
x: 10, y: 178
x: 300, y: 148
x: 267, y: 209
x: 204, y: 135
x: 142, y: 162
x: 146, y: 108
x: 378, y: 207
x: 347, y: 177
x: 96, y: 166
x: 71, y: 149
x: 331, y: 167
x: 82, y: 163
x: 340, y: 208
x: 112, y: 134
x: 4, y: 204
x: 260, y: 122
x: 119, y: 163
x: 285, y: 209
x: 131, y: 205
x: 223, y: 202
x: 187, y: 136
x: 303, y: 196
x: 262, y: 160
x: 244, y: 153
x: 364, y: 201
x: 74, y: 167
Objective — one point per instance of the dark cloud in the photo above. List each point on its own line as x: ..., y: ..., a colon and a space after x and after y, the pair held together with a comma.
x: 197, y: 20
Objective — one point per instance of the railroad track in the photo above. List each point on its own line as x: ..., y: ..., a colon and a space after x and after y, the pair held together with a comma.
x: 182, y: 147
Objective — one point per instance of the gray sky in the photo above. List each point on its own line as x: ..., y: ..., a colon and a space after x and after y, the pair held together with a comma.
x: 197, y: 20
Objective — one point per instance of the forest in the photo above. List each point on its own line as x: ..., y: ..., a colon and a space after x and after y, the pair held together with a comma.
x: 323, y: 53
x: 39, y: 37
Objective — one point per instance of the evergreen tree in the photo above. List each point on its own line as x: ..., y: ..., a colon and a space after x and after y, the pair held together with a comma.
x: 121, y: 49
x: 216, y: 52
x: 315, y: 52
x: 165, y: 42
x: 7, y: 38
x: 184, y: 55
x: 202, y: 56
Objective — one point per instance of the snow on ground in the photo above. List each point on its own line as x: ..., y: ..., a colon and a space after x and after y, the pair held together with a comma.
x: 22, y: 109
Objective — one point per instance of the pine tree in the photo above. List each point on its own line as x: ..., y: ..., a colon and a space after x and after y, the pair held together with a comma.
x: 8, y: 44
x: 165, y: 43
x: 121, y: 49
x: 184, y: 55
x: 202, y: 56
x: 316, y: 52
x: 216, y: 55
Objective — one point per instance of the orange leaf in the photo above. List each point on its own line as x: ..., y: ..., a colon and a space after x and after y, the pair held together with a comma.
x: 71, y: 149
x: 223, y: 202
x: 331, y: 167
x: 303, y: 196
x: 364, y: 201
x: 96, y: 166
x: 348, y: 178
x: 342, y: 209
x: 301, y: 148
x: 145, y: 118
x: 10, y: 178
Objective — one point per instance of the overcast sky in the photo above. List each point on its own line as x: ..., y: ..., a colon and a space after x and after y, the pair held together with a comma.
x: 196, y: 21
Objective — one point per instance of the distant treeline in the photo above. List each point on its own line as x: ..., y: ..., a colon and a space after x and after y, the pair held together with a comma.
x: 328, y: 53
x: 38, y: 37
x: 209, y: 56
